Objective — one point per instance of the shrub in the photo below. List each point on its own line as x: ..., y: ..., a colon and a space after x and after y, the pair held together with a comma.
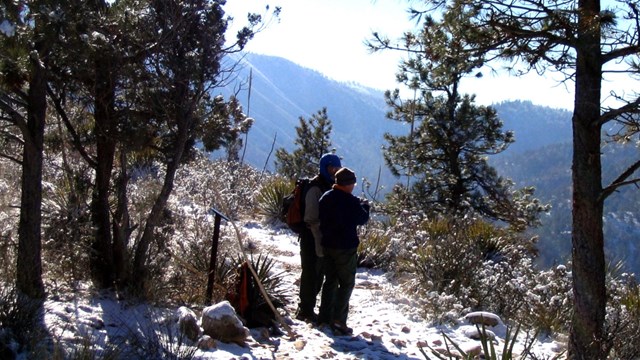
x: 375, y: 250
x: 181, y: 250
x: 269, y: 198
x: 441, y: 257
x: 548, y: 301
x: 156, y: 335
x: 21, y: 324
x: 185, y: 277
x: 466, y: 265
x: 259, y: 312
x: 86, y: 348
x: 623, y: 316
x: 229, y: 187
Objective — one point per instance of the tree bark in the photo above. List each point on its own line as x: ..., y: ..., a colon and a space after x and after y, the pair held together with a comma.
x: 29, y: 260
x: 589, y: 292
x: 121, y: 224
x: 153, y: 220
x: 101, y: 258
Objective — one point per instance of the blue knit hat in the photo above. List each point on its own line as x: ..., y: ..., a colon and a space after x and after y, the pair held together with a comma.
x: 329, y: 160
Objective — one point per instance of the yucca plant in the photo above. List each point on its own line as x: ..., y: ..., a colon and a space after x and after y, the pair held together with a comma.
x: 269, y: 198
x: 258, y: 312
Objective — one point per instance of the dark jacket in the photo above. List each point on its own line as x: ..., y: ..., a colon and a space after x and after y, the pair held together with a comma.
x: 340, y: 215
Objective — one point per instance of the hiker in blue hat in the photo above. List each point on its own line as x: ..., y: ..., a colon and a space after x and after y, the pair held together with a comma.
x: 310, y: 239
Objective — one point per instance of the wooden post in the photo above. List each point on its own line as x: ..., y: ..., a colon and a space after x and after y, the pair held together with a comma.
x: 214, y: 255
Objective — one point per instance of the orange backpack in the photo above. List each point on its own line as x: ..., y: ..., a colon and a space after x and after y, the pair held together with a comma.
x: 293, y: 206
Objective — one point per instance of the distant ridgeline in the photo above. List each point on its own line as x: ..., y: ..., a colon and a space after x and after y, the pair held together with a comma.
x: 282, y: 92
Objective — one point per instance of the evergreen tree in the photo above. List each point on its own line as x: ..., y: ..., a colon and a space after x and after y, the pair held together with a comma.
x: 183, y: 68
x: 29, y: 36
x: 588, y: 45
x: 445, y: 154
x: 127, y: 77
x: 313, y: 139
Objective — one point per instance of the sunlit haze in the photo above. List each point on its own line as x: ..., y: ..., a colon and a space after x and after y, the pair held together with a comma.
x: 328, y: 36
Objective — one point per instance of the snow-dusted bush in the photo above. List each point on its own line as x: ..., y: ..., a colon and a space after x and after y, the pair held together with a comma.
x: 623, y: 316
x: 548, y: 301
x: 181, y: 260
x: 155, y: 334
x: 20, y: 325
x: 188, y: 255
x: 465, y: 265
x: 67, y: 230
x: 228, y: 187
x: 375, y: 250
x: 9, y: 216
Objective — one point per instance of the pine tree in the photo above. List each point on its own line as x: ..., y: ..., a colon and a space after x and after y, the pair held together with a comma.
x: 445, y: 154
x: 587, y: 45
x: 313, y: 139
x: 29, y: 36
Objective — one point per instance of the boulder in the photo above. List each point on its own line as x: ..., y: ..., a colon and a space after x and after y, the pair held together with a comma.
x: 483, y: 318
x: 206, y: 343
x: 188, y: 323
x: 221, y: 322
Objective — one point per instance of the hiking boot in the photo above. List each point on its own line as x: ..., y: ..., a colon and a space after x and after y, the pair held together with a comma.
x: 306, y: 317
x: 324, y: 327
x: 341, y: 329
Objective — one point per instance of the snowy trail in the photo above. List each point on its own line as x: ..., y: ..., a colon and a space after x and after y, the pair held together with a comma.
x: 380, y: 328
x: 386, y: 323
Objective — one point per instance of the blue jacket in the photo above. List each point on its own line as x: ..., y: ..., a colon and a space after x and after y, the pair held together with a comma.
x: 340, y: 215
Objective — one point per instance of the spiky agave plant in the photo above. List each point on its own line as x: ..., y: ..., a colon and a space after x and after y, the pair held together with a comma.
x: 269, y: 198
x: 257, y: 312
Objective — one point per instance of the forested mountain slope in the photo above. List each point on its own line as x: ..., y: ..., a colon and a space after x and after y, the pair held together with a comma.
x: 282, y: 92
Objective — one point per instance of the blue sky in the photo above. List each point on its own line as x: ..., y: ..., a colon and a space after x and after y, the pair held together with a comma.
x: 328, y: 36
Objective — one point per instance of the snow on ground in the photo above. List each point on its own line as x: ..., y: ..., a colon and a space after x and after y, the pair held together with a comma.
x: 386, y: 323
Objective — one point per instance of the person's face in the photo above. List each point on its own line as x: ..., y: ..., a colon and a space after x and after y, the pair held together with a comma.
x: 350, y: 188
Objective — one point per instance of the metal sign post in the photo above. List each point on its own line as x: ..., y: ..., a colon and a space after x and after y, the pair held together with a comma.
x: 214, y: 254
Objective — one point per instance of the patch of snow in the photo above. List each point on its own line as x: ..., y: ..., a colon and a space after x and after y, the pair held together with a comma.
x: 387, y: 323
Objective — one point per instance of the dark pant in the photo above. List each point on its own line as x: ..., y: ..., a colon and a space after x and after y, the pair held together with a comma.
x: 340, y: 272
x: 312, y: 274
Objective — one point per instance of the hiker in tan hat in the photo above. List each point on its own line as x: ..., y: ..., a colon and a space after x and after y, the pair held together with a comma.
x: 340, y: 214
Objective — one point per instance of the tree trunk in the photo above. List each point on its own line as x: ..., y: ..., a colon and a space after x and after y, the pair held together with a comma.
x: 589, y: 293
x: 29, y: 261
x: 153, y: 220
x: 121, y: 224
x: 101, y: 249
